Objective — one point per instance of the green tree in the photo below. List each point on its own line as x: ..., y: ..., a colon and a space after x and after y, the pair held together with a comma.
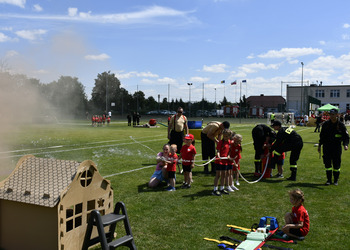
x: 106, y: 90
x: 67, y: 96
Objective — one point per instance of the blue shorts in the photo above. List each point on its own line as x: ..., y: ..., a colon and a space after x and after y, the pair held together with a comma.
x: 158, y: 174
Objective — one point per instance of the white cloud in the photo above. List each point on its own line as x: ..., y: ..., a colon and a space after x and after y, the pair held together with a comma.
x: 153, y: 14
x: 100, y: 57
x: 72, y: 11
x: 291, y: 53
x: 322, y: 42
x: 37, y: 8
x: 254, y: 67
x: 4, y: 38
x: 167, y: 80
x: 216, y: 68
x: 11, y: 53
x: 19, y: 3
x: 346, y: 26
x: 199, y: 79
x: 30, y: 34
x: 345, y: 37
x: 131, y: 74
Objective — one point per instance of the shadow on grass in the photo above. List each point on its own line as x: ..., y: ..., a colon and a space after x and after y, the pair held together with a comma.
x: 202, y: 193
x: 144, y: 188
x: 309, y: 185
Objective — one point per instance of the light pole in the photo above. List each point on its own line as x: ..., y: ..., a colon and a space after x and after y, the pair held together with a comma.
x: 189, y: 98
x: 302, y: 89
x: 215, y: 97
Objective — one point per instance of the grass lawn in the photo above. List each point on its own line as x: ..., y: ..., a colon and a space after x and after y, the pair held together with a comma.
x: 181, y: 219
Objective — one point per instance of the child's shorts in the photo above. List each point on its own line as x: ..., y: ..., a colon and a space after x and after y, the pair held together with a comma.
x: 221, y: 167
x: 187, y: 168
x: 171, y: 174
x: 158, y: 174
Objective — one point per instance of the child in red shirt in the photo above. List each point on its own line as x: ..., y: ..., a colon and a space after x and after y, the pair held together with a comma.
x: 297, y: 222
x: 187, y: 154
x: 171, y: 167
x: 235, y: 156
x: 222, y: 165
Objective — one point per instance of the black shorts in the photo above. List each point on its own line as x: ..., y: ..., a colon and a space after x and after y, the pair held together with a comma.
x: 171, y: 174
x: 295, y: 231
x: 220, y: 167
x: 187, y: 168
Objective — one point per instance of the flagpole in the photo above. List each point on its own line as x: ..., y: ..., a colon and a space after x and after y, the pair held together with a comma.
x: 240, y: 104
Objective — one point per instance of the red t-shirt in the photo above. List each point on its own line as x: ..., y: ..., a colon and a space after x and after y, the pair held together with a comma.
x: 300, y: 214
x: 187, y: 154
x: 224, y: 148
x: 173, y: 159
x: 236, y: 150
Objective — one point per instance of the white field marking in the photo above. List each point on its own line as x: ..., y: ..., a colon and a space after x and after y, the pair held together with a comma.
x: 70, y: 145
x: 77, y: 149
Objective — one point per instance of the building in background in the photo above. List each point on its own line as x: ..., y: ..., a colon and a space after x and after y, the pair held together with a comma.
x: 307, y: 99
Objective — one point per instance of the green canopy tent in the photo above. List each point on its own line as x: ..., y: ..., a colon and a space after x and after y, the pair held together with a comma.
x: 327, y: 107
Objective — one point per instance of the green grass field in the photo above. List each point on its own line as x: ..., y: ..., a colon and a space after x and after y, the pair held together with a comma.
x: 181, y: 219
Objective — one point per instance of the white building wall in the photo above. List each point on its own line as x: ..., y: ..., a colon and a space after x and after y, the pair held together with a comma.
x: 295, y: 95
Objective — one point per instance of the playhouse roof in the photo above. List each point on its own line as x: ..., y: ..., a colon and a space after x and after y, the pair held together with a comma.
x: 38, y: 181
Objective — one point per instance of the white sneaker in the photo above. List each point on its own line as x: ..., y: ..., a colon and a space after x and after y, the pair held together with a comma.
x: 237, y: 183
x: 234, y: 188
x: 230, y: 189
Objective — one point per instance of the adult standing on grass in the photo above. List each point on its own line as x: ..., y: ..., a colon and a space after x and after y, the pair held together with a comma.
x: 210, y: 135
x: 333, y: 133
x: 287, y: 139
x: 160, y: 174
x: 262, y: 135
x: 177, y: 129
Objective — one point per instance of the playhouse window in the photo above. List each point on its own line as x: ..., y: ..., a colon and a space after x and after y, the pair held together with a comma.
x: 86, y: 177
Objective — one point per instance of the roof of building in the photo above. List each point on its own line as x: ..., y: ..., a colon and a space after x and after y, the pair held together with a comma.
x: 38, y: 181
x: 271, y: 101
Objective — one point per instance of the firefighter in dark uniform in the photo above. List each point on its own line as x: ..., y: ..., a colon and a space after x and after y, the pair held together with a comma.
x: 333, y: 133
x: 287, y: 140
x: 262, y: 135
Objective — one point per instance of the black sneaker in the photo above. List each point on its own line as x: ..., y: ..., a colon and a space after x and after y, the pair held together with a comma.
x: 216, y: 192
x: 224, y: 191
x: 184, y: 185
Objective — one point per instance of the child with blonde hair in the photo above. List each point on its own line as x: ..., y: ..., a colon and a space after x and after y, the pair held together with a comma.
x: 235, y: 156
x: 171, y: 167
x: 297, y: 222
x: 187, y: 154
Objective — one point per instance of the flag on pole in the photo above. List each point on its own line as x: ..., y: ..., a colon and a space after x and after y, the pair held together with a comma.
x: 223, y: 81
x: 244, y: 80
x: 234, y: 83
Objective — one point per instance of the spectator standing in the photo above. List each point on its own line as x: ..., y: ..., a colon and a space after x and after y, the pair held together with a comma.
x: 177, y: 129
x: 333, y: 133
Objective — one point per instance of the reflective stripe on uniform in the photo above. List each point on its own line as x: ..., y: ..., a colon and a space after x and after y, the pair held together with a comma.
x: 293, y: 166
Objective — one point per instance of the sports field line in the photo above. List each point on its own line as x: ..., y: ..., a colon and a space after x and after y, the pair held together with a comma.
x: 77, y: 149
x: 70, y: 145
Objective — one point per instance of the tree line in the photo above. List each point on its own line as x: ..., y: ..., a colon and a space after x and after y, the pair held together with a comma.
x: 67, y: 97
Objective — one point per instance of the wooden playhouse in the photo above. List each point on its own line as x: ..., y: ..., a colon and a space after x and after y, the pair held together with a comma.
x: 46, y: 203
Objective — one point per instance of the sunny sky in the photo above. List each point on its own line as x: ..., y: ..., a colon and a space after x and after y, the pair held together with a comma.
x: 158, y: 46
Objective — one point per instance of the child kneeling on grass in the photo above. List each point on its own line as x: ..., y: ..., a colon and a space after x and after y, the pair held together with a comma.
x: 187, y: 154
x: 297, y: 222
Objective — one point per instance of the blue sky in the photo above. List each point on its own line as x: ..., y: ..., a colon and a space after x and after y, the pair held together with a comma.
x: 159, y: 46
